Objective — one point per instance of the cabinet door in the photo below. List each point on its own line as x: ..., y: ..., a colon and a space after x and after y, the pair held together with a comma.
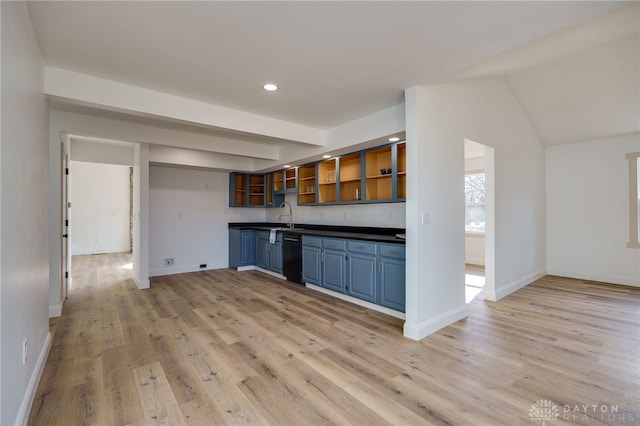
x: 262, y: 252
x: 311, y: 265
x: 241, y: 247
x: 392, y: 283
x: 237, y: 189
x: 275, y: 257
x: 235, y: 248
x: 334, y: 270
x: 248, y: 248
x: 362, y: 281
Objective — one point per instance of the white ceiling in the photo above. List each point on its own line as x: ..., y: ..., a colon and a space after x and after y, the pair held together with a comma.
x: 337, y: 61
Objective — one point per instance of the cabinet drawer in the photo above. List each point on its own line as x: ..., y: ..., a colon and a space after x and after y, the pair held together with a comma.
x: 394, y: 251
x: 333, y: 244
x: 311, y: 241
x: 361, y: 247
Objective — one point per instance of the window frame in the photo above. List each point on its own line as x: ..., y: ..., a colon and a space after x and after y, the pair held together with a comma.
x: 634, y: 199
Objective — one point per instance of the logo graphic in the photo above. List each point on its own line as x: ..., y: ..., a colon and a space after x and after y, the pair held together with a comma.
x: 544, y: 410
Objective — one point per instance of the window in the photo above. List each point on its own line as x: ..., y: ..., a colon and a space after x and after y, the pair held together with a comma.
x: 634, y: 199
x: 474, y: 199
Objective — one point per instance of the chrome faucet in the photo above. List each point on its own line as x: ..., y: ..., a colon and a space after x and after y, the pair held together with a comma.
x: 290, y: 215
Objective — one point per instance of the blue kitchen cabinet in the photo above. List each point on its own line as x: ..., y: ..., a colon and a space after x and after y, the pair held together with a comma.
x: 311, y: 272
x: 241, y: 247
x: 275, y: 255
x: 370, y: 271
x: 268, y: 256
x: 262, y: 250
x: 334, y: 264
x: 391, y: 273
x: 362, y: 263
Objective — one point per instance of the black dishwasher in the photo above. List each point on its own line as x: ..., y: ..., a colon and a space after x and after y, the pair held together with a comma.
x: 292, y: 257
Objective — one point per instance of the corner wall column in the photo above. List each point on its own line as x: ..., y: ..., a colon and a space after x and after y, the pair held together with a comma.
x: 434, y: 221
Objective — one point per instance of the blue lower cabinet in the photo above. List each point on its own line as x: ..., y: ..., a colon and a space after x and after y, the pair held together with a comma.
x: 392, y: 283
x: 275, y: 257
x: 262, y: 250
x: 241, y: 248
x: 370, y: 271
x: 392, y: 276
x: 362, y: 282
x: 268, y: 255
x: 311, y: 272
x: 334, y: 270
x: 362, y: 270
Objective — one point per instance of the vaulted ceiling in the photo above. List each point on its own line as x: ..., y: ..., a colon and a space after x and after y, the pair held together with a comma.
x: 573, y: 65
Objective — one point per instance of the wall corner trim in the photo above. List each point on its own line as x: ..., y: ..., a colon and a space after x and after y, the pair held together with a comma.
x: 142, y: 284
x: 55, y: 310
x: 518, y: 284
x: 27, y: 402
x: 422, y: 330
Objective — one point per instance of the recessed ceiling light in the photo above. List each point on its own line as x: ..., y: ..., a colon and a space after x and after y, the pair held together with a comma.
x: 270, y: 87
x: 286, y: 166
x: 394, y: 139
x: 326, y: 156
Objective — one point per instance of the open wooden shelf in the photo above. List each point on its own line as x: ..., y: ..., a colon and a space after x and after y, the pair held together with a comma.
x: 351, y: 177
x: 327, y: 173
x: 307, y: 184
x: 378, y: 185
x: 402, y: 170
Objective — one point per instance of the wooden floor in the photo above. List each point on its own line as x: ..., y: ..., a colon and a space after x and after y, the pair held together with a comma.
x: 223, y: 347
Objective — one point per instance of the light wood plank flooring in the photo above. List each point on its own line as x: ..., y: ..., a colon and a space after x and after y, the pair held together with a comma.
x: 223, y: 347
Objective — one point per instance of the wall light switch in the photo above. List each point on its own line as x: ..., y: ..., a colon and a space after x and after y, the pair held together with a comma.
x: 425, y: 218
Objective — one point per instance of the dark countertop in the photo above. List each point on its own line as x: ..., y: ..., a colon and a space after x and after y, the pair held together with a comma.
x: 383, y: 235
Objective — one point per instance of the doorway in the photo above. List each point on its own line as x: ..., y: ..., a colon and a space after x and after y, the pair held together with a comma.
x: 479, y: 208
x: 101, y: 208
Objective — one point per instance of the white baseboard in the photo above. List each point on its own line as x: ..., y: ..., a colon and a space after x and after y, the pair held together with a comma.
x: 518, y: 284
x: 27, y: 402
x: 181, y: 270
x: 55, y: 310
x: 357, y: 301
x: 264, y: 271
x: 142, y: 284
x: 605, y: 278
x: 422, y: 330
x: 100, y: 250
x: 475, y: 261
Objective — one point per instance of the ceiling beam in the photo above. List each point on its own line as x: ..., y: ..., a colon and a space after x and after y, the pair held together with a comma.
x: 84, y: 125
x: 113, y: 95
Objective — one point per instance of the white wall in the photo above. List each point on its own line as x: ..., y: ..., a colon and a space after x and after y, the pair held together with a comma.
x: 100, y: 213
x: 24, y: 263
x: 588, y: 211
x: 140, y: 237
x: 188, y: 218
x: 382, y: 215
x: 439, y: 119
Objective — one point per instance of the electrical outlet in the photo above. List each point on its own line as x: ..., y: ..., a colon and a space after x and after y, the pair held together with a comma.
x: 25, y: 351
x: 168, y: 261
